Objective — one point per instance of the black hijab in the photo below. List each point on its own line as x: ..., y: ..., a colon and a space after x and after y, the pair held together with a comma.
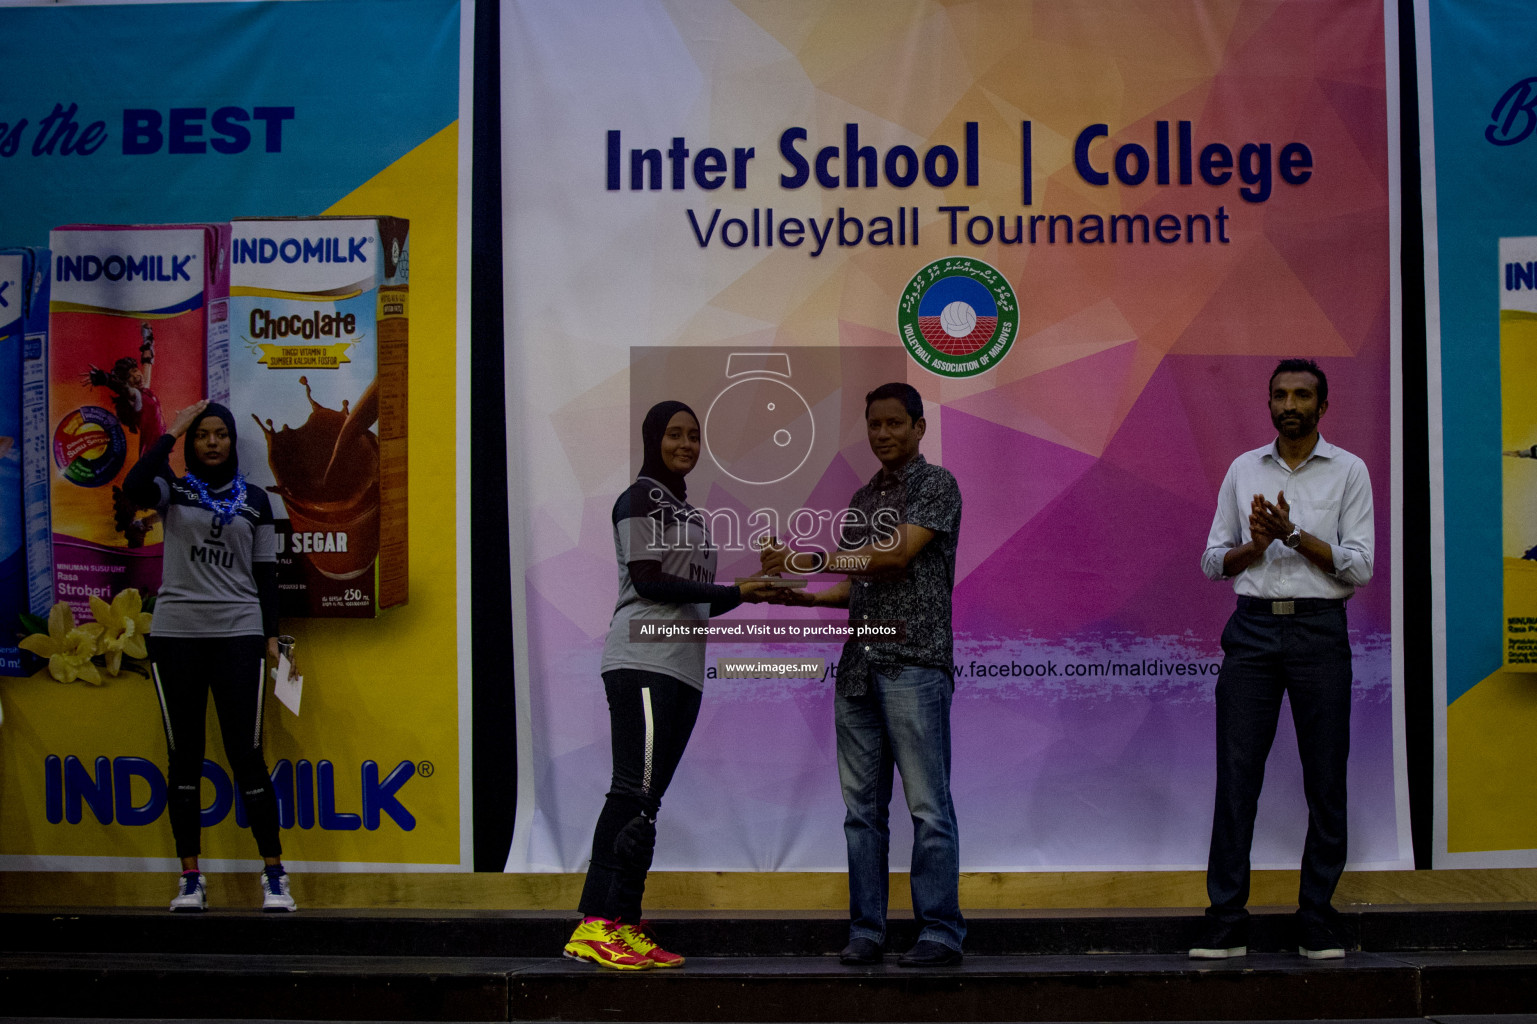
x: 214, y: 476
x: 651, y: 433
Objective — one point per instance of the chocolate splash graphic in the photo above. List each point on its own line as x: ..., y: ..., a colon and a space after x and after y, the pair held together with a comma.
x: 327, y: 473
x: 354, y: 427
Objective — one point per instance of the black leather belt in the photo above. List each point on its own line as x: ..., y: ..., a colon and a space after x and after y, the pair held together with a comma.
x: 1292, y: 606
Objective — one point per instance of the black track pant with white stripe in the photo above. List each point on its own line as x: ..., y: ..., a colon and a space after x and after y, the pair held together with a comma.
x: 651, y: 717
x: 233, y: 668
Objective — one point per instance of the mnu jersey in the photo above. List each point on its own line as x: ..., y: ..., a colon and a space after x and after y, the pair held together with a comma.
x: 650, y: 524
x: 207, y: 586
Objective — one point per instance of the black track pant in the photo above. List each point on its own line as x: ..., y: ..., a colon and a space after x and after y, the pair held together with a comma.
x: 233, y: 668
x: 651, y: 717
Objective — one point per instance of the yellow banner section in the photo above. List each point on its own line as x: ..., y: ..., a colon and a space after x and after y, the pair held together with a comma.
x: 85, y: 766
x: 304, y: 357
x: 1490, y: 771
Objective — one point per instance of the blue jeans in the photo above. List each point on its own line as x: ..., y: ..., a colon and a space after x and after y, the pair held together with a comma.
x: 904, y: 721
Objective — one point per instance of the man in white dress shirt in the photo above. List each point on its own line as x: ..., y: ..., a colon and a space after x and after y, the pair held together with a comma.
x: 1294, y: 533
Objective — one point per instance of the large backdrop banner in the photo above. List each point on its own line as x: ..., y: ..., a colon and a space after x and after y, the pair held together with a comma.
x: 311, y: 154
x: 1086, y: 232
x: 1478, y: 113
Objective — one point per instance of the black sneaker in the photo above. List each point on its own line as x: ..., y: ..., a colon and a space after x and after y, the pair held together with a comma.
x: 928, y: 953
x: 1317, y: 940
x: 1221, y: 940
x: 860, y: 953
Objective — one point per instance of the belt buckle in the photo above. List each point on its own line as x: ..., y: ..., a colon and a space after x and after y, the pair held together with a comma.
x: 1283, y: 607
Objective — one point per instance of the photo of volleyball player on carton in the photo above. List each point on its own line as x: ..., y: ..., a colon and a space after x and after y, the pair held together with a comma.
x: 137, y: 408
x: 133, y: 400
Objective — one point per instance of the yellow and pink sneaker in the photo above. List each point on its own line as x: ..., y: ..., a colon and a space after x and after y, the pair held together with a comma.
x: 598, y: 941
x: 639, y: 938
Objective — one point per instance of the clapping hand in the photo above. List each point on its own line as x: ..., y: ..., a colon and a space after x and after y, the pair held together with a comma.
x: 1269, y: 522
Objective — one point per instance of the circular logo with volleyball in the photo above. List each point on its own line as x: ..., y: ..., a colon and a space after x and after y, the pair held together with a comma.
x: 89, y: 446
x: 958, y: 317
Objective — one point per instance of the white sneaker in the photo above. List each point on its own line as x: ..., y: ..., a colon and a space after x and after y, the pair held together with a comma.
x: 1317, y: 939
x: 275, y: 894
x: 191, y: 893
x: 1328, y: 953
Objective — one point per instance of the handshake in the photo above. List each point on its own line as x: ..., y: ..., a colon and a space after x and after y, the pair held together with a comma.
x: 782, y: 573
x: 771, y: 586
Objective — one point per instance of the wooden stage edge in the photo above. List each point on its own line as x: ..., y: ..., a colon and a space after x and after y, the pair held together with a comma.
x: 722, y: 892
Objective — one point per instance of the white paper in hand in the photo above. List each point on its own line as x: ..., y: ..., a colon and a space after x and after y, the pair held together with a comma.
x: 286, y: 686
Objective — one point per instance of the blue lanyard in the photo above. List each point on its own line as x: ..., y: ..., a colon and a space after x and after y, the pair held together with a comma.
x: 224, y: 510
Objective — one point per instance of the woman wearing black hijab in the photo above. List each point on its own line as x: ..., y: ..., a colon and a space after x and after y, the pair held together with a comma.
x: 665, y: 562
x: 215, y: 626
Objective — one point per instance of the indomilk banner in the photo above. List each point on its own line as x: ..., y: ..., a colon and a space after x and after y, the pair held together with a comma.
x: 1086, y: 233
x: 132, y: 137
x: 1478, y: 130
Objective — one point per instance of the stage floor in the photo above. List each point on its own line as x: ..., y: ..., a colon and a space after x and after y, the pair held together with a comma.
x: 1404, y: 964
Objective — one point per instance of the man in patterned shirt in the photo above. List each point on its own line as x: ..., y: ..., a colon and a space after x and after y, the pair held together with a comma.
x: 892, y: 705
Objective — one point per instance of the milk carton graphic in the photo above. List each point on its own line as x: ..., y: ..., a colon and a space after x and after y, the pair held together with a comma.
x: 139, y: 330
x: 1518, y: 429
x: 319, y: 315
x: 26, y: 568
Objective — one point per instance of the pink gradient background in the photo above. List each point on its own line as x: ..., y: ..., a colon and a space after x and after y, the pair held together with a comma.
x: 1089, y: 459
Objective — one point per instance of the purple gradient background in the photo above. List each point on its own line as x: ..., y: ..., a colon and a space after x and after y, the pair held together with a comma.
x: 1089, y: 459
x: 1063, y: 558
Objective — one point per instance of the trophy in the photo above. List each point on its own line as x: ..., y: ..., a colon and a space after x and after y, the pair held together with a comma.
x: 287, y: 684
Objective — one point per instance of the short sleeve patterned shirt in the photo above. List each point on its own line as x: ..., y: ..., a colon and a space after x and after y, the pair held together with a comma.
x: 923, y: 495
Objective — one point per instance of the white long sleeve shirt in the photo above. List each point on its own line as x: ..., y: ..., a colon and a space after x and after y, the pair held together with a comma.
x: 1330, y: 495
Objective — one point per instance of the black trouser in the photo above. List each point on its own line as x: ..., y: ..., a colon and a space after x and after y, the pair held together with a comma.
x: 651, y: 717
x: 1306, y: 656
x: 234, y: 668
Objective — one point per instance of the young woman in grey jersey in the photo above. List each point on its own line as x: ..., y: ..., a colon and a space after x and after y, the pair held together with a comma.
x: 215, y: 627
x: 666, y: 574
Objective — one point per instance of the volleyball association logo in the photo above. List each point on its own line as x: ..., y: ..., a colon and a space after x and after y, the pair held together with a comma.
x: 958, y: 317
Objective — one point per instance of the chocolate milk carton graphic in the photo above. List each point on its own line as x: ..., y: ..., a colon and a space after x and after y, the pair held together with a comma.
x: 318, y: 308
x: 138, y: 329
x: 26, y: 566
